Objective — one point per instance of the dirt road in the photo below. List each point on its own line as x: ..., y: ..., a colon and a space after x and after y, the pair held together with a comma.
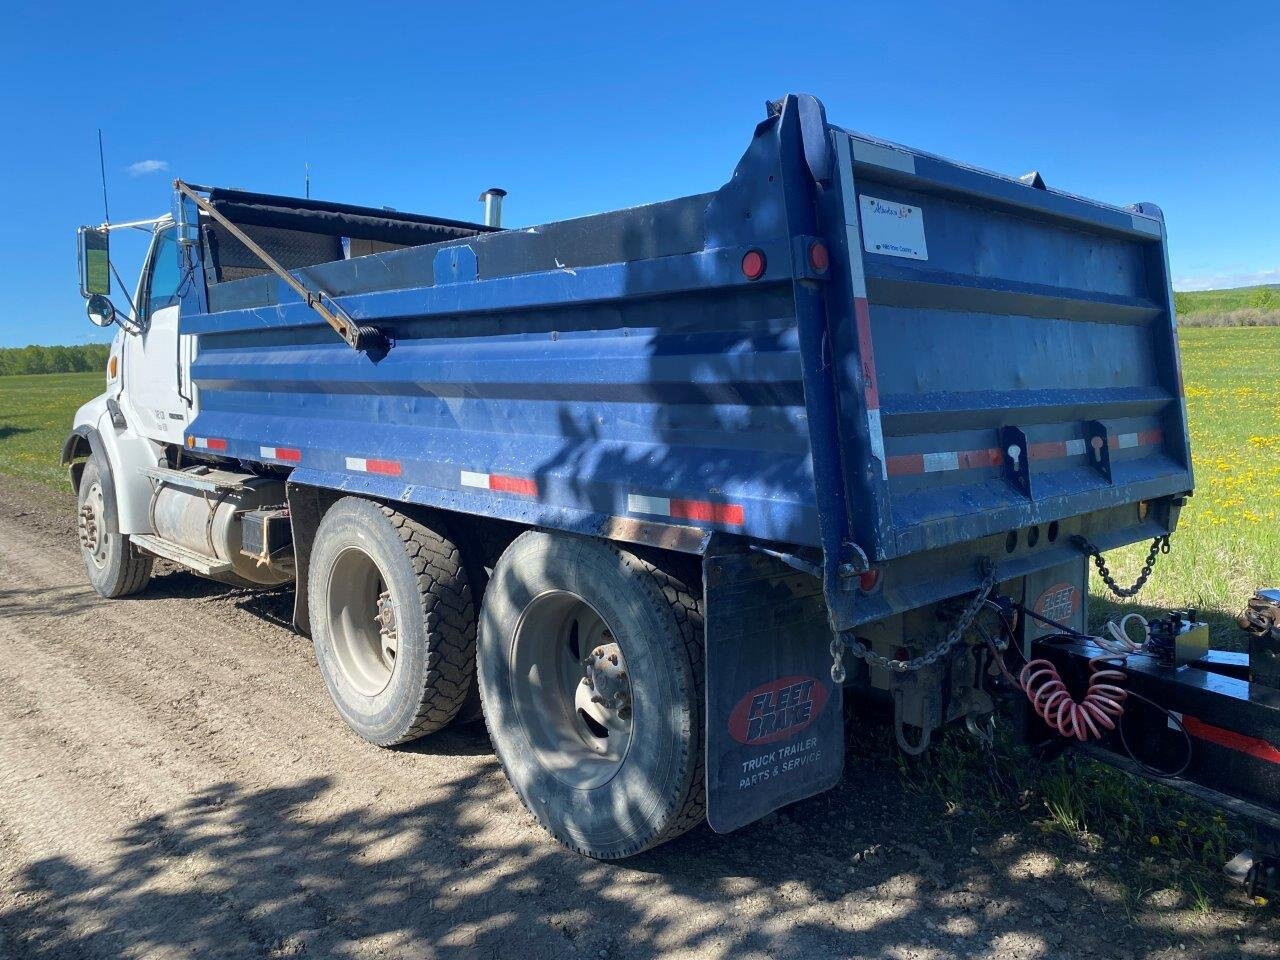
x: 173, y: 782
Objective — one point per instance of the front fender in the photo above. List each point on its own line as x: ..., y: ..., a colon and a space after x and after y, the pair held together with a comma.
x: 121, y: 454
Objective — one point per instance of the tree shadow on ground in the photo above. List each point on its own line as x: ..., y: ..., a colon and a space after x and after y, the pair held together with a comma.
x: 318, y: 867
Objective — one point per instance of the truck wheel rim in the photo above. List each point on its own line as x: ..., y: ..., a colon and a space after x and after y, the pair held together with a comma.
x: 93, y: 538
x: 571, y: 690
x: 362, y: 622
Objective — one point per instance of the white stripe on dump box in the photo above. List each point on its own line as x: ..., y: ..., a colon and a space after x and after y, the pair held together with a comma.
x: 883, y: 156
x: 1126, y: 440
x: 1075, y: 448
x: 472, y: 479
x: 938, y: 462
x: 638, y: 503
x: 357, y: 463
x: 877, y: 439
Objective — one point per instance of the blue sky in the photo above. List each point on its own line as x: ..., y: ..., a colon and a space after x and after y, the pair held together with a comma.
x: 579, y: 111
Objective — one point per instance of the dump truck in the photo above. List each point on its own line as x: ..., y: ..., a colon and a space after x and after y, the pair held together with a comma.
x: 658, y: 491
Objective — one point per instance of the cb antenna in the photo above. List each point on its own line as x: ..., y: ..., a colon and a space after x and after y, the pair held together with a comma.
x: 102, y: 169
x: 306, y: 179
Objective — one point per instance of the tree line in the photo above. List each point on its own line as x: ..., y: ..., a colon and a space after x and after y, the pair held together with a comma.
x: 38, y: 359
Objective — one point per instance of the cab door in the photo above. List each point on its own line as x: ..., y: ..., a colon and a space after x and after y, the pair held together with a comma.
x: 153, y: 395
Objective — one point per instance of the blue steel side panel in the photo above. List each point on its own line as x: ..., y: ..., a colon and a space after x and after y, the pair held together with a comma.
x: 611, y: 388
x: 590, y: 415
x: 626, y: 389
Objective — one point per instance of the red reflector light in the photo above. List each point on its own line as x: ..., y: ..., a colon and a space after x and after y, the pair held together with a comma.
x: 753, y: 264
x: 819, y: 259
x: 869, y: 580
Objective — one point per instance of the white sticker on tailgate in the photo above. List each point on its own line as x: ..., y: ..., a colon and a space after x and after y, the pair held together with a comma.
x: 893, y: 228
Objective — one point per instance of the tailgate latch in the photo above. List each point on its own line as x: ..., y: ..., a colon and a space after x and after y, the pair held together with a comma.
x: 1017, y: 465
x: 1098, y: 447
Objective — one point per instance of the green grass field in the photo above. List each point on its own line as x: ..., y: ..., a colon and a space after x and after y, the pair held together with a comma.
x: 1227, y: 542
x: 35, y: 417
x: 1225, y: 301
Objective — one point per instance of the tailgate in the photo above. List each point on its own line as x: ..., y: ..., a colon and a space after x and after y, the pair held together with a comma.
x: 1014, y: 357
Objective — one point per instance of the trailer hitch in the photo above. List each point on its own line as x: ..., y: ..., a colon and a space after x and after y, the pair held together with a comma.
x: 361, y: 337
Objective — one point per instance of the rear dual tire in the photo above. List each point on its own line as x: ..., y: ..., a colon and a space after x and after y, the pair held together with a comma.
x: 603, y: 784
x: 393, y: 622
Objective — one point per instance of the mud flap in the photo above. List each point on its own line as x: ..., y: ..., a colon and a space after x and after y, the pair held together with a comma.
x: 775, y: 721
x: 1059, y: 593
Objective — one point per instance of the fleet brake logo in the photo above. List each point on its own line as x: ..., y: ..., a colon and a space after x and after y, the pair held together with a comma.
x: 1058, y: 602
x: 777, y: 710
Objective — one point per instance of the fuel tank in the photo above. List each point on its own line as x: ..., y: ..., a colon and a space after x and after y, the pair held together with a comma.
x: 208, y: 522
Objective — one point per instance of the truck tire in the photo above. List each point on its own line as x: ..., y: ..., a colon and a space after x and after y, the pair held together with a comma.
x: 115, y: 568
x: 392, y: 620
x: 566, y: 619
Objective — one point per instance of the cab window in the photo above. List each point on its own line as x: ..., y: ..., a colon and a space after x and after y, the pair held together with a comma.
x: 165, y: 276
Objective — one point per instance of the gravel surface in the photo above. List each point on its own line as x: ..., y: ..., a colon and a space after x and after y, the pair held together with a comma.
x: 174, y: 782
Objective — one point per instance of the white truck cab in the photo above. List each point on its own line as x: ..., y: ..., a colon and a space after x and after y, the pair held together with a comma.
x: 121, y: 436
x: 153, y: 389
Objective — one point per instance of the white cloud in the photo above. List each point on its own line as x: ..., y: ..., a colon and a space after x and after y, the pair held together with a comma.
x: 143, y: 167
x: 1221, y: 281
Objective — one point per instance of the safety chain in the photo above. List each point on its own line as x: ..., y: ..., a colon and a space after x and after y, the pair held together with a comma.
x: 1158, y: 545
x: 839, y: 645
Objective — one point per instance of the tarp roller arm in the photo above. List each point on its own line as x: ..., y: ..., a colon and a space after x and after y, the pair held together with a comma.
x: 358, y: 336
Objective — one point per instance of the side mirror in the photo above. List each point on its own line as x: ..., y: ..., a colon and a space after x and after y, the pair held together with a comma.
x: 95, y: 261
x: 102, y: 312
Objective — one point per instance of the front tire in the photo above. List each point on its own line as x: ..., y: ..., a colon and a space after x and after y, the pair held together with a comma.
x: 392, y: 620
x: 114, y: 567
x: 590, y: 671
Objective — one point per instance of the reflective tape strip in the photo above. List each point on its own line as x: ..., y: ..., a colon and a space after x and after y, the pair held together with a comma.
x: 209, y: 443
x: 857, y: 275
x: 909, y: 464
x: 280, y: 453
x: 389, y: 468
x: 935, y: 462
x: 702, y: 511
x: 862, y: 316
x: 870, y: 385
x: 882, y: 156
x: 499, y: 482
x: 1126, y: 441
x: 638, y: 503
x: 1254, y: 746
x: 1057, y: 448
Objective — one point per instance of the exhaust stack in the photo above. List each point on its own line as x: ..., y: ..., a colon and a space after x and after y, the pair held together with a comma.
x: 492, y: 199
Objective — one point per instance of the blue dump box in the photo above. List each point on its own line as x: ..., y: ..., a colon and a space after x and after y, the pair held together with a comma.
x: 864, y: 365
